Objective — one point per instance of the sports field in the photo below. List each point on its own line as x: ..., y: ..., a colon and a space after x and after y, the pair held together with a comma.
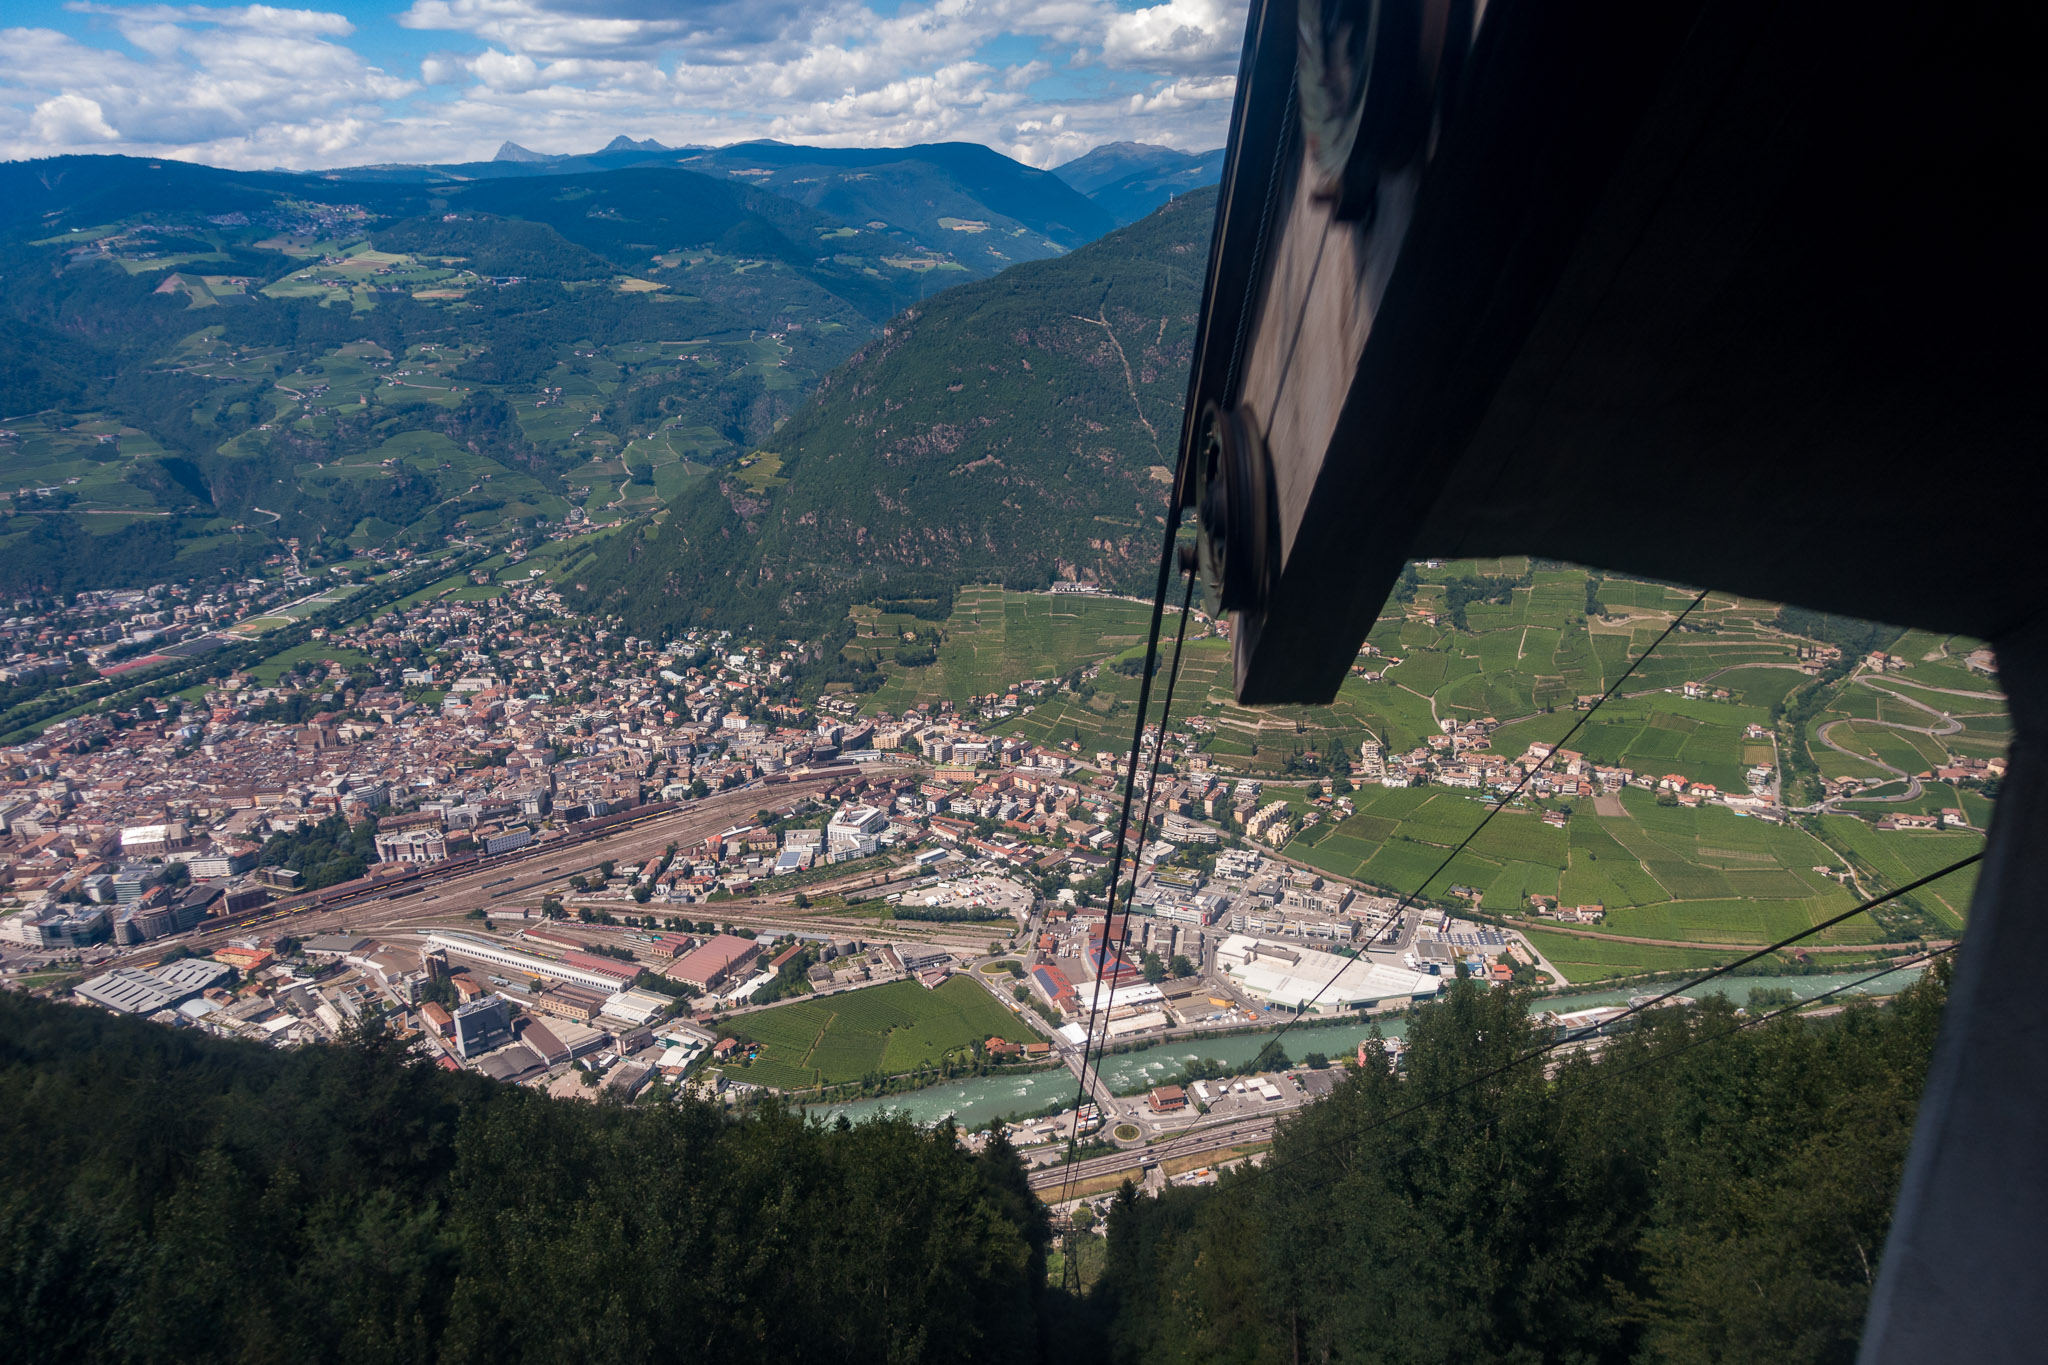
x: 880, y: 1031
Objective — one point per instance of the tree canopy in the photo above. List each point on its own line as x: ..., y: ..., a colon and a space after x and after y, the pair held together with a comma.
x: 193, y: 1199
x: 1668, y: 1200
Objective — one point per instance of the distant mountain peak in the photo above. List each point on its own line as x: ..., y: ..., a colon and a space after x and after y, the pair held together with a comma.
x: 1130, y: 179
x: 512, y: 151
x: 622, y: 143
x: 1143, y: 149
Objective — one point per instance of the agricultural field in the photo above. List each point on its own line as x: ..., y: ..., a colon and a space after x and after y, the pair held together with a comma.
x: 1522, y: 663
x: 1523, y: 657
x: 355, y: 274
x: 1678, y: 874
x: 1587, y: 960
x: 882, y: 1030
x: 1882, y: 729
x: 78, y: 463
x: 994, y: 639
x: 270, y: 670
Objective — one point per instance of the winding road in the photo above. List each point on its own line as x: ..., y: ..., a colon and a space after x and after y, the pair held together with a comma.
x: 1949, y: 725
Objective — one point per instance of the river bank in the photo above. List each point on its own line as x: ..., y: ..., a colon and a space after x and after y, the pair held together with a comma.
x: 974, y: 1102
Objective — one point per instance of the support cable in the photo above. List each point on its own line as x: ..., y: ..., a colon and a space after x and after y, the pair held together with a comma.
x: 1495, y: 809
x: 1602, y: 1073
x: 1115, y: 869
x: 1166, y: 562
x: 1137, y: 739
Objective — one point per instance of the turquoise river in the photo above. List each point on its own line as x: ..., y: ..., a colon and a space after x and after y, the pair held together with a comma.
x: 975, y: 1102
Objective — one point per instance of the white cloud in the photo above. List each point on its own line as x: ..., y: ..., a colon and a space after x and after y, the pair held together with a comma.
x: 506, y: 71
x: 70, y: 120
x: 1178, y: 35
x: 528, y: 26
x: 1194, y: 93
x: 257, y: 18
x: 241, y: 93
x: 1041, y: 80
x: 934, y: 108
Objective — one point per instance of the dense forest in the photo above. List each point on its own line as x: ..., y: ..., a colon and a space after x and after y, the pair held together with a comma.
x: 1672, y: 1200
x: 1693, y: 1194
x: 180, y: 1199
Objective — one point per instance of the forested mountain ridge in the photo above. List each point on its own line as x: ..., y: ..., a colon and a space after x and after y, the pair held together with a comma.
x: 970, y: 201
x: 200, y: 364
x: 963, y: 200
x: 982, y: 209
x: 1021, y: 429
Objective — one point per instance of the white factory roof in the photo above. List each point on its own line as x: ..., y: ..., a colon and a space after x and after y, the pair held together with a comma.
x: 466, y: 945
x: 134, y: 991
x: 1121, y: 997
x: 634, y: 1006
x: 1290, y: 974
x: 191, y: 973
x: 128, y: 990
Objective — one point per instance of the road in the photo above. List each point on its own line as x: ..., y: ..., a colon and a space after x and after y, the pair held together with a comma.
x: 1729, y: 947
x: 1949, y: 725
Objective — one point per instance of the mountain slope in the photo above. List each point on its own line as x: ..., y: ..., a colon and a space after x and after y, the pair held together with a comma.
x: 583, y: 339
x: 1113, y: 161
x: 1137, y: 194
x: 929, y: 174
x: 631, y: 216
x: 1130, y: 179
x: 974, y: 209
x: 1018, y: 429
x: 628, y: 216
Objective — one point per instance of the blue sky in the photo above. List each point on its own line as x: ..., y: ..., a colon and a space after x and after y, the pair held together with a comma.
x: 448, y: 80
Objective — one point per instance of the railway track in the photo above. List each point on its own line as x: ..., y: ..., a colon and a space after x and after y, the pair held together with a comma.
x: 1221, y: 1138
x: 438, y: 890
